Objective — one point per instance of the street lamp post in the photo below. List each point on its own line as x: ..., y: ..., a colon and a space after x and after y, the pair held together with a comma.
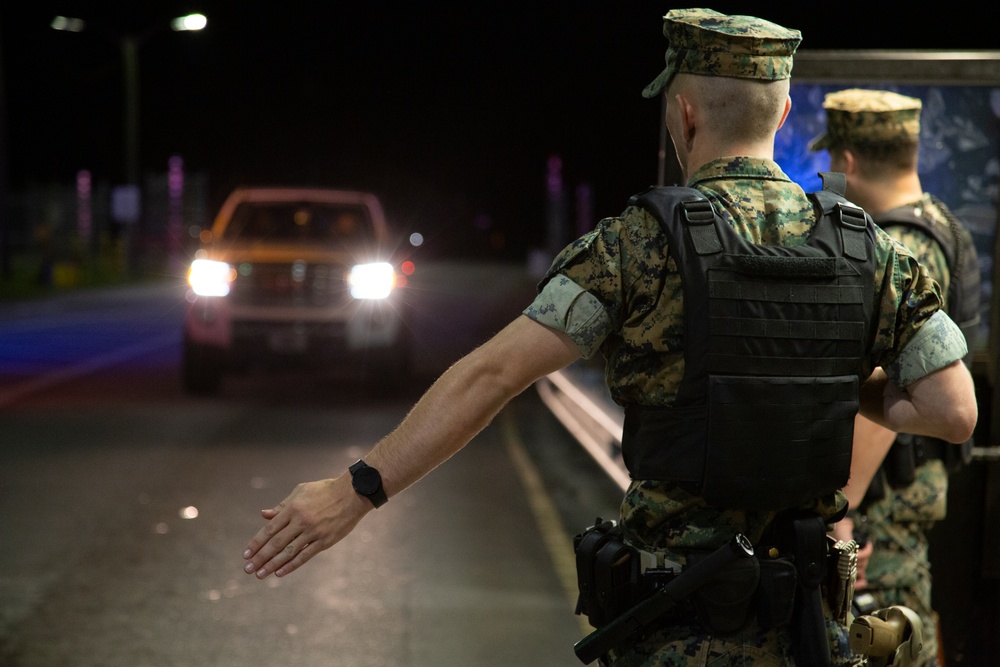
x: 130, y: 71
x: 130, y: 196
x: 129, y: 44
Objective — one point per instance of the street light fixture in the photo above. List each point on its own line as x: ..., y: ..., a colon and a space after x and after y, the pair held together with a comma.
x: 191, y: 22
x: 68, y: 24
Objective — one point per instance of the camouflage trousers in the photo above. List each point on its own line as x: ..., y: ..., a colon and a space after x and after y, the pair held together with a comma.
x: 688, y: 646
x: 899, y: 571
x: 899, y: 575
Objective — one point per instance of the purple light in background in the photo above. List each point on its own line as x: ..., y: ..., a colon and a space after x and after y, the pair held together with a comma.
x: 555, y: 182
x: 175, y: 212
x: 556, y: 205
x: 175, y: 177
x: 84, y: 216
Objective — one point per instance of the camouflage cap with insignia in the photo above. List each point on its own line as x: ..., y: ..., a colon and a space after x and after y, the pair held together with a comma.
x: 860, y: 116
x: 703, y: 41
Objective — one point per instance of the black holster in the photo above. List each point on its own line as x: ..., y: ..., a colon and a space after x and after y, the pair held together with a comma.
x: 901, y: 462
x: 607, y: 573
x: 791, y: 588
x: 810, y: 644
x: 777, y: 590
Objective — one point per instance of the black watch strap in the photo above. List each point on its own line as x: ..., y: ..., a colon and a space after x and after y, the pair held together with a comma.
x: 368, y: 482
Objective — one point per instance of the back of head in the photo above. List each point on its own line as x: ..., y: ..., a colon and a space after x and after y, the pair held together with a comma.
x: 876, y: 125
x: 737, y: 110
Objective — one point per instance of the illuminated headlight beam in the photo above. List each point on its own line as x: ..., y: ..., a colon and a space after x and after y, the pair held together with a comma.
x: 371, y: 281
x: 210, y: 278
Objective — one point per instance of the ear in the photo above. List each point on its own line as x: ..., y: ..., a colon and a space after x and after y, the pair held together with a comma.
x: 686, y: 115
x: 788, y: 107
x: 850, y: 162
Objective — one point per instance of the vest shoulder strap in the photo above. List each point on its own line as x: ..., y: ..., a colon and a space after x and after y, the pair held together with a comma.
x: 964, y: 289
x: 666, y: 202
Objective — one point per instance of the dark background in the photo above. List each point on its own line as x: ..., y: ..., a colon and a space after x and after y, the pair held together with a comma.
x: 448, y: 110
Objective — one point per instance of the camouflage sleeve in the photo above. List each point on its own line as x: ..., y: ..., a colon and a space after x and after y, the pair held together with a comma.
x: 927, y: 251
x: 907, y: 297
x: 578, y: 294
x: 565, y: 306
x: 936, y: 344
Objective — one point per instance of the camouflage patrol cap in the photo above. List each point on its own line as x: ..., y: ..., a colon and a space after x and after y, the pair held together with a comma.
x: 859, y: 116
x: 703, y: 41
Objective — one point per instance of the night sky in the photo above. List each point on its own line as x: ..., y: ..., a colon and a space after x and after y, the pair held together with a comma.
x: 448, y: 110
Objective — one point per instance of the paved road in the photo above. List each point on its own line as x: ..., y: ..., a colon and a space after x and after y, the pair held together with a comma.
x: 126, y: 505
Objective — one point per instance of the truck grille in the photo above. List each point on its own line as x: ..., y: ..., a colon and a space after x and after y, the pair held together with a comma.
x: 292, y: 284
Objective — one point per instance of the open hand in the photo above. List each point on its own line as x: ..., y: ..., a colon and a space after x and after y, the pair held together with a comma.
x: 314, y: 517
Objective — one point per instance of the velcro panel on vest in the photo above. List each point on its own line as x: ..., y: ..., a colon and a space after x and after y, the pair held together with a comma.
x: 787, y: 267
x: 777, y: 442
x: 809, y: 325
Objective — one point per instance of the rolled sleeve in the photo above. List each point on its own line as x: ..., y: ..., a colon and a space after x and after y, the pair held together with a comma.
x: 936, y: 344
x: 565, y: 306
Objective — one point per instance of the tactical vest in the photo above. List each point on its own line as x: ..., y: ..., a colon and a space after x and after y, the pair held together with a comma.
x: 963, y: 264
x: 774, y: 339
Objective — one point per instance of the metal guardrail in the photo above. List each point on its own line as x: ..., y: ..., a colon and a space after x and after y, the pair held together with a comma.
x: 595, y: 421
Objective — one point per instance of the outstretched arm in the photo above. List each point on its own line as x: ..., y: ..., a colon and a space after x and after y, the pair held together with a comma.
x: 463, y: 401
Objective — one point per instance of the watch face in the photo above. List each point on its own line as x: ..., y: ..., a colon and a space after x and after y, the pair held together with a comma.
x: 367, y: 481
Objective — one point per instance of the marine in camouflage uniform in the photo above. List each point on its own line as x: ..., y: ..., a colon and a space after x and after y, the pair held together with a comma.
x: 881, y: 129
x: 617, y: 291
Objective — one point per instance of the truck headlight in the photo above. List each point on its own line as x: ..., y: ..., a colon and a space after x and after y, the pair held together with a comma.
x: 210, y: 278
x: 371, y: 281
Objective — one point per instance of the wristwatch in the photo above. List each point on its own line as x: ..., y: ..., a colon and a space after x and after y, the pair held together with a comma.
x: 368, y: 482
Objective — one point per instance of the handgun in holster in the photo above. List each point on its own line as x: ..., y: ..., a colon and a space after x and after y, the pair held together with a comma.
x: 666, y: 594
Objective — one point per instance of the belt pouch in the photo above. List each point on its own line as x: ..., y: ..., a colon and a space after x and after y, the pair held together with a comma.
x: 724, y: 605
x: 616, y: 580
x: 586, y: 546
x: 776, y: 593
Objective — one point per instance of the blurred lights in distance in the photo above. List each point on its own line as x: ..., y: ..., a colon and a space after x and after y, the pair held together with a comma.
x: 68, y: 24
x: 407, y: 268
x: 210, y: 278
x: 416, y: 239
x: 371, y: 281
x: 189, y: 22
